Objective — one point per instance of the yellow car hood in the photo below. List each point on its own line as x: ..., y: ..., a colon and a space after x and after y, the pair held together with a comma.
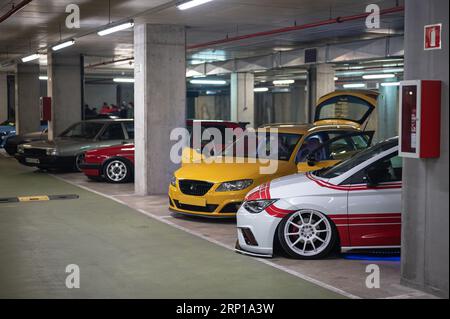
x: 225, y: 172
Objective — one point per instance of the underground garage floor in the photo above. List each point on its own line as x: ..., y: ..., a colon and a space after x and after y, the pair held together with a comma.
x: 131, y: 247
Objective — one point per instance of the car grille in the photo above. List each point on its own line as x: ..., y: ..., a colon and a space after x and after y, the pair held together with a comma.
x: 34, y: 152
x: 195, y: 188
x: 193, y: 208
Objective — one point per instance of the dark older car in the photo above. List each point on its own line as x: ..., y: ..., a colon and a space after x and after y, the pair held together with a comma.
x: 67, y: 150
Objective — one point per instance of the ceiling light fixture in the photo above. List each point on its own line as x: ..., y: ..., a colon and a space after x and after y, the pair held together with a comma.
x: 192, y: 3
x: 30, y: 58
x: 63, y: 45
x: 390, y: 84
x: 209, y: 82
x: 354, y: 86
x: 116, y: 28
x: 378, y: 76
x: 259, y: 90
x: 43, y: 78
x: 123, y: 80
x: 283, y: 82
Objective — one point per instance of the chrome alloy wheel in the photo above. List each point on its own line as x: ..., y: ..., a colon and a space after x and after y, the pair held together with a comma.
x: 117, y: 171
x: 308, y: 233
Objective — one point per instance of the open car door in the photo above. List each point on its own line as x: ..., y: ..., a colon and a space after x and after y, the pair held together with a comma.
x: 346, y: 108
x: 336, y: 150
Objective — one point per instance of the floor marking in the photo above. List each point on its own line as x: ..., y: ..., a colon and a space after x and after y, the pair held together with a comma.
x: 164, y: 219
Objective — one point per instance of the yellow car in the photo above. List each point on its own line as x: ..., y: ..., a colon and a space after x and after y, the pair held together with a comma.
x: 216, y: 190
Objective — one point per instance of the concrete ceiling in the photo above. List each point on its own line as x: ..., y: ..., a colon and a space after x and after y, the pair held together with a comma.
x: 41, y: 24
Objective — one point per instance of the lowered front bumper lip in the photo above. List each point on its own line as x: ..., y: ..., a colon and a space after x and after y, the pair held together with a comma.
x: 241, y: 251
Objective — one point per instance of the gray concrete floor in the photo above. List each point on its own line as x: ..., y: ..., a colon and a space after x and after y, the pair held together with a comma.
x: 330, y: 278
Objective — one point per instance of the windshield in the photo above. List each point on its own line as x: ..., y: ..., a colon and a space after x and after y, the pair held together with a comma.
x: 266, y: 146
x: 356, y: 160
x: 344, y: 107
x: 84, y: 130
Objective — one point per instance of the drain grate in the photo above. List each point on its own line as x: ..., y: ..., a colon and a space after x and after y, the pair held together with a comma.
x: 40, y: 198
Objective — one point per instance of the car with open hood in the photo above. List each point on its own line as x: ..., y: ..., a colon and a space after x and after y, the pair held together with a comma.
x: 216, y: 188
x: 353, y: 205
x: 67, y: 150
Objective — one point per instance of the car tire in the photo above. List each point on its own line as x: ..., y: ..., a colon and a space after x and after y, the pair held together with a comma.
x: 117, y: 171
x: 307, y: 234
x: 78, y: 160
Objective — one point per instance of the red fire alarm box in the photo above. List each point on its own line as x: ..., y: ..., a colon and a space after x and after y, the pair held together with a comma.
x: 46, y: 108
x: 420, y: 119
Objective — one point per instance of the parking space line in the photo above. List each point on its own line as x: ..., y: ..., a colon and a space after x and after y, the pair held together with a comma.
x: 164, y: 219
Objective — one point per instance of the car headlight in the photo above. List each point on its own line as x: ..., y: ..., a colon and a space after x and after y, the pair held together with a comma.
x: 20, y: 149
x: 51, y: 152
x: 235, y: 185
x: 257, y: 206
x: 173, y: 181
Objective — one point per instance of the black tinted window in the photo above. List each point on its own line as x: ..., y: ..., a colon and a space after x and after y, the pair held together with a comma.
x: 129, y: 127
x: 113, y: 132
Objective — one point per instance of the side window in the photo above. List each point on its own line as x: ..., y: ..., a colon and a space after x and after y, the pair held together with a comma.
x: 310, y: 144
x: 113, y: 132
x: 388, y: 170
x: 129, y: 127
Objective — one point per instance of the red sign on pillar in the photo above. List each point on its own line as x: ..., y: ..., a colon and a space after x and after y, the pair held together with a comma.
x: 433, y: 38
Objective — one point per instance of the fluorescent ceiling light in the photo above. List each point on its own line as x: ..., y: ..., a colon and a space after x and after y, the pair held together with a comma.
x: 123, y: 80
x: 378, y: 76
x: 117, y: 28
x: 354, y: 85
x: 30, y: 58
x: 283, y: 82
x: 63, y: 45
x: 192, y: 3
x: 336, y: 78
x: 209, y: 82
x: 390, y: 84
x: 43, y: 78
x: 261, y: 89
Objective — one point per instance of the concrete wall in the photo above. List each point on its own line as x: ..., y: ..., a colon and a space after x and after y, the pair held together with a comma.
x: 96, y: 94
x: 214, y: 107
x: 425, y: 261
x: 386, y: 123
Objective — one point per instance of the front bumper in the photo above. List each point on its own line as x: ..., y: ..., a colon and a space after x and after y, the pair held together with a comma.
x: 214, y: 204
x: 52, y: 162
x: 256, y: 233
x: 91, y: 169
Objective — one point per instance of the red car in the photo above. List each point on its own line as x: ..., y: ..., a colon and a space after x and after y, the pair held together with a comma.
x: 115, y: 164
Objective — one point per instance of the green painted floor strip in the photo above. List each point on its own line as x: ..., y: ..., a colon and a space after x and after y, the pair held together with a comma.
x: 121, y: 253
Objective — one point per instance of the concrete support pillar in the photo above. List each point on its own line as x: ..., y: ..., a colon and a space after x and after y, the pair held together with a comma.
x: 243, y: 98
x: 320, y: 82
x: 425, y: 243
x: 28, y: 113
x: 65, y: 88
x: 3, y: 97
x: 160, y: 102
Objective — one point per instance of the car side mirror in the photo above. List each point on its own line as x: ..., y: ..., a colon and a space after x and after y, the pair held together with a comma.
x: 311, y: 160
x: 372, y: 177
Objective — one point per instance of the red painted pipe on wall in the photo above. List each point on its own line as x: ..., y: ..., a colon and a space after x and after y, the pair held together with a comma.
x: 14, y: 10
x: 295, y: 28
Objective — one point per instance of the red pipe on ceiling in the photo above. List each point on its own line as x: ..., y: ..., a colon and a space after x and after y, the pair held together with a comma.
x: 14, y: 10
x: 295, y: 28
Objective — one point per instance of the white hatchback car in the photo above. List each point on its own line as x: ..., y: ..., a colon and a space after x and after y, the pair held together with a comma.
x: 353, y: 205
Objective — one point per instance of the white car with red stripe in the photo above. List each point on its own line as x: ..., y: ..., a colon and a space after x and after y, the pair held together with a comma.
x: 353, y: 205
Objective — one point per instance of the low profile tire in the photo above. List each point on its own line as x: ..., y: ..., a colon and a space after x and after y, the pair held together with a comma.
x: 78, y: 161
x: 307, y: 234
x: 117, y: 171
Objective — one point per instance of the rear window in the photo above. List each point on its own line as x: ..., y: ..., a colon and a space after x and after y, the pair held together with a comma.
x: 344, y: 107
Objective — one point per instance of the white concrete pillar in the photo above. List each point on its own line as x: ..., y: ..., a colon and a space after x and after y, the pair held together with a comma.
x: 64, y: 87
x: 28, y: 113
x: 243, y: 98
x: 3, y: 97
x: 321, y: 82
x: 160, y: 102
